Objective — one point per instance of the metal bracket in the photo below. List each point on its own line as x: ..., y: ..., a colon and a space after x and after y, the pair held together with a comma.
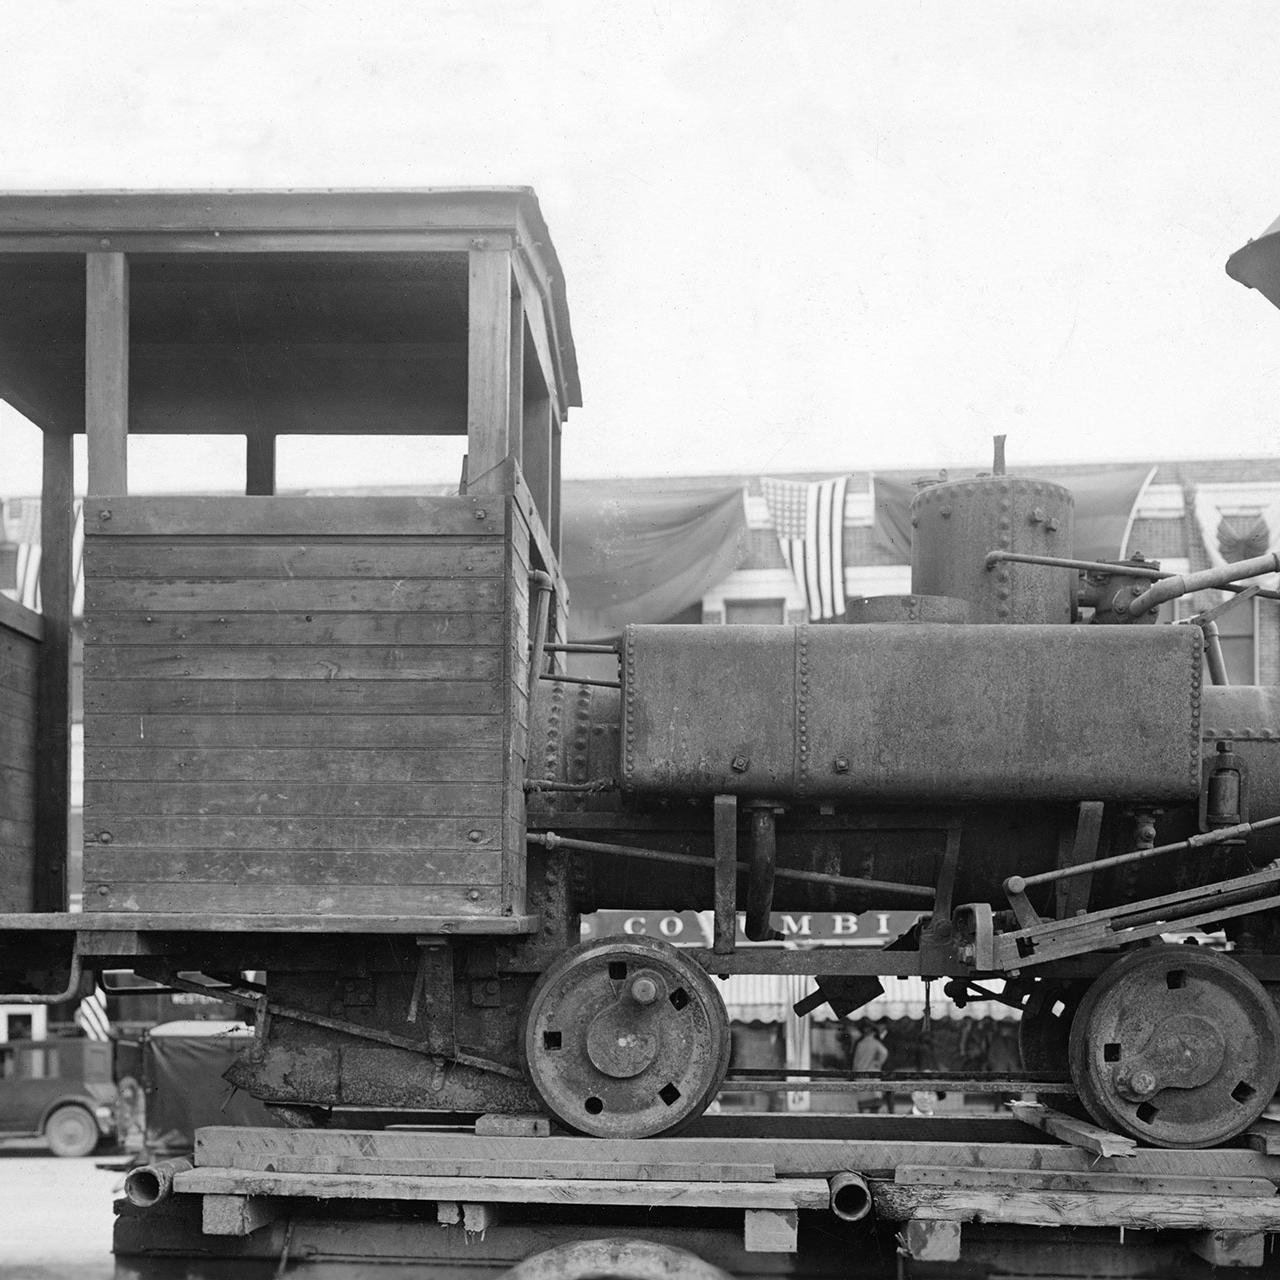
x: 1072, y: 896
x: 725, y: 818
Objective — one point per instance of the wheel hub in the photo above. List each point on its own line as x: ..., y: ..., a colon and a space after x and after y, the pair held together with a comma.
x: 625, y: 1038
x: 1177, y: 1045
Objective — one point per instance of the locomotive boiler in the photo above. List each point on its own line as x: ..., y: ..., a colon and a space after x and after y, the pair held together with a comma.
x: 342, y: 740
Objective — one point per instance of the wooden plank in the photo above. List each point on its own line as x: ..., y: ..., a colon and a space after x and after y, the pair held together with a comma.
x: 927, y: 1241
x: 353, y: 556
x: 124, y: 926
x: 313, y: 697
x: 293, y: 662
x: 783, y: 1193
x: 515, y: 380
x: 106, y: 378
x: 314, y: 628
x: 19, y: 618
x: 18, y: 653
x: 349, y: 731
x: 51, y: 217
x: 770, y: 1230
x: 432, y: 864
x: 1092, y: 1180
x: 553, y: 525
x: 199, y: 897
x: 251, y: 799
x: 260, y: 463
x: 18, y: 709
x: 20, y: 751
x: 488, y: 368
x: 53, y: 751
x: 1076, y: 1208
x: 816, y: 1155
x: 232, y: 1215
x: 535, y: 463
x: 429, y: 763
x: 1079, y: 1133
x: 308, y: 595
x: 495, y: 1125
x: 291, y: 517
x: 1226, y: 1248
x: 530, y: 1167
x: 342, y: 834
x: 17, y: 786
x: 1264, y: 1136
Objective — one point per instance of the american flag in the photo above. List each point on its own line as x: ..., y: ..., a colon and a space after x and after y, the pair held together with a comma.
x: 91, y: 1016
x: 809, y: 522
x: 21, y: 526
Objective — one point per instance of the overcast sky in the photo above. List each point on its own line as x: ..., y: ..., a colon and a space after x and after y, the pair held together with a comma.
x: 805, y: 235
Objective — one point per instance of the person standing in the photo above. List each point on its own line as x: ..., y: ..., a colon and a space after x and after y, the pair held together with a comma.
x: 869, y: 1055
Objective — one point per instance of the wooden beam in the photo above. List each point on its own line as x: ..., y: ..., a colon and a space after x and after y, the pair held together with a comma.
x: 488, y: 369
x: 106, y: 371
x: 770, y: 1230
x: 53, y: 751
x: 260, y: 464
x: 553, y: 526
x: 536, y: 451
x: 1230, y: 1248
x: 903, y: 1202
x: 1079, y: 1133
x: 781, y: 1193
x: 232, y: 1215
x: 515, y: 387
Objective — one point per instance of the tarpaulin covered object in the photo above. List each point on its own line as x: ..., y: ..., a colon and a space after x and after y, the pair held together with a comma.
x: 643, y: 557
x: 1105, y: 501
x: 182, y: 1076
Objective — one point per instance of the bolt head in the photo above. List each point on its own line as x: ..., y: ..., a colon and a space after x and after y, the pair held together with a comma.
x: 1143, y: 1082
x: 740, y: 764
x: 840, y: 764
x: 644, y: 990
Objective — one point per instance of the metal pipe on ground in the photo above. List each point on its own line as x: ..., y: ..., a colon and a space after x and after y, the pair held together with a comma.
x: 153, y: 1183
x: 850, y: 1196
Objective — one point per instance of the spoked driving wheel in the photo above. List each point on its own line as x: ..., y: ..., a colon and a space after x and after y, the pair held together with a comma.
x: 625, y: 1038
x: 1177, y: 1045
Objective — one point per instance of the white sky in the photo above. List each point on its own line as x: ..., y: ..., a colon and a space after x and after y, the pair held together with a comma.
x: 795, y: 235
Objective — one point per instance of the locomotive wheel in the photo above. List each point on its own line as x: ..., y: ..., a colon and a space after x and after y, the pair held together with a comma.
x: 1176, y: 1045
x: 625, y: 1038
x: 1044, y: 1030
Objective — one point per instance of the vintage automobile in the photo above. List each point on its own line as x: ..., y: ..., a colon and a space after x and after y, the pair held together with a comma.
x: 61, y: 1090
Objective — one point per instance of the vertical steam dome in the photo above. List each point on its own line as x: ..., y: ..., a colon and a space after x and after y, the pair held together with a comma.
x: 957, y: 523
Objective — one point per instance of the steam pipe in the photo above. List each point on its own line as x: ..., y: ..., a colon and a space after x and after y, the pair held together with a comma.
x: 850, y: 1196
x: 1205, y: 580
x: 1129, y: 568
x: 69, y: 992
x: 152, y: 1183
x: 1213, y: 652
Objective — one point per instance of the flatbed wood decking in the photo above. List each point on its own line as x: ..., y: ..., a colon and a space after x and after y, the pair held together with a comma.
x: 750, y: 1195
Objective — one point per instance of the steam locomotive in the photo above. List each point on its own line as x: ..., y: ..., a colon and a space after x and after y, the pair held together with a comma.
x: 342, y: 741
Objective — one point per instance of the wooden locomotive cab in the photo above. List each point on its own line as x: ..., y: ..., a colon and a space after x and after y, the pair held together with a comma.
x: 295, y: 707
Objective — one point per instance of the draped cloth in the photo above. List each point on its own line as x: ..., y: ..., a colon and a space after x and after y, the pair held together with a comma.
x: 644, y: 557
x: 1105, y: 502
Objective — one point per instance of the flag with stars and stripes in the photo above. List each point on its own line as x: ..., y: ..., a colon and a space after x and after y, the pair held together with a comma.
x: 91, y: 1016
x: 809, y: 522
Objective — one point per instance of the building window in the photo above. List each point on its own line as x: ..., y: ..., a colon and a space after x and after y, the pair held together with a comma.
x: 754, y: 611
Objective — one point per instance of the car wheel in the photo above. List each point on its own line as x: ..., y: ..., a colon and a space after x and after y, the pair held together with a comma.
x: 71, y: 1131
